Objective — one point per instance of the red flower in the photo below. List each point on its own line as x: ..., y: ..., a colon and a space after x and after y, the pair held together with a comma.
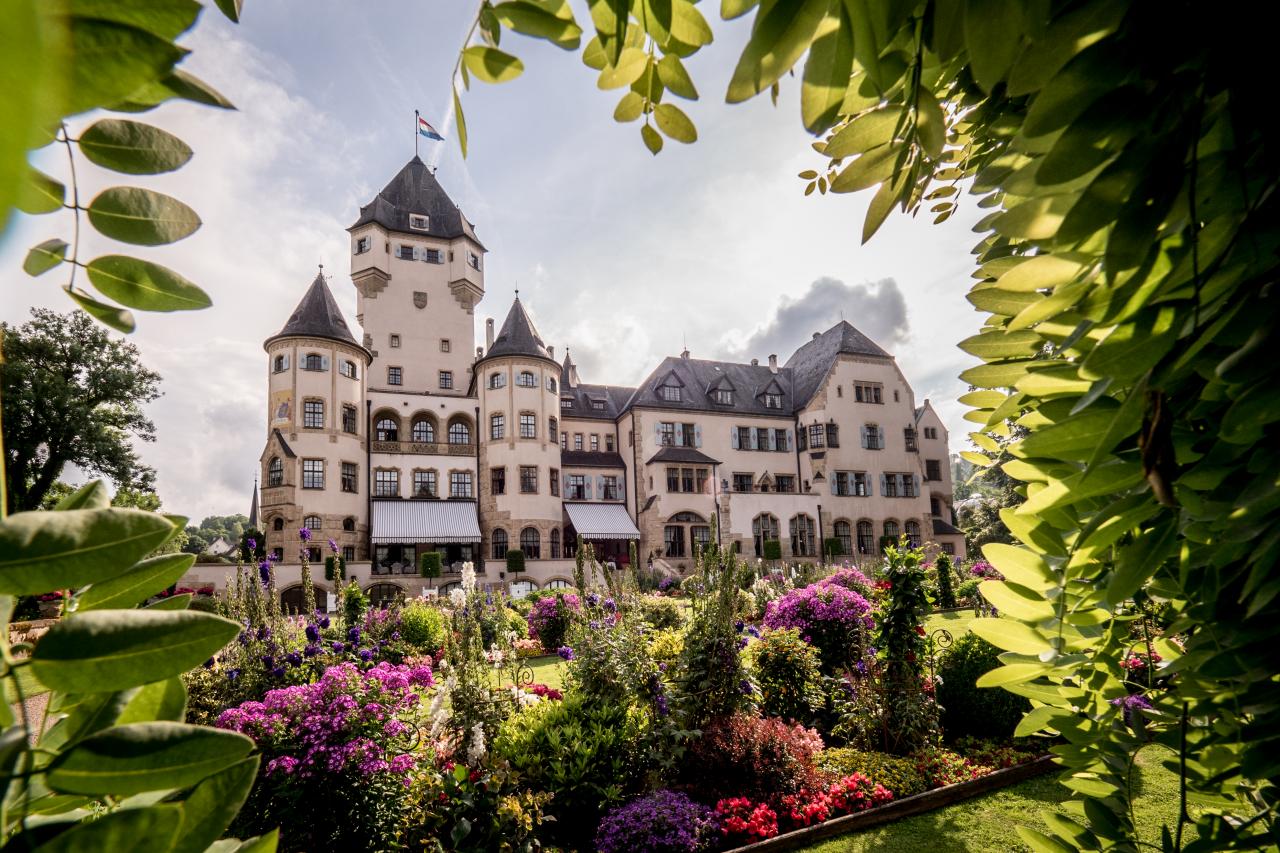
x: 920, y: 630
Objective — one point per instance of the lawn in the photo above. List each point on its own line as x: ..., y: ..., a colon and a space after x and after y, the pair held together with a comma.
x: 957, y: 622
x: 547, y: 669
x: 987, y: 823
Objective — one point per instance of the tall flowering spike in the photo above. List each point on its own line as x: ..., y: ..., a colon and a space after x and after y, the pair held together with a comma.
x: 468, y: 577
x: 333, y: 547
x: 304, y: 534
x: 264, y: 572
x: 253, y: 545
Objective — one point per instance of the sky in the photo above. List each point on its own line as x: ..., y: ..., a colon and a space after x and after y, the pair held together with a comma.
x: 621, y: 256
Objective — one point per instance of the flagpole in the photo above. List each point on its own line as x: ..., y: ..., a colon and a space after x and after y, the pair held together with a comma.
x: 415, y: 133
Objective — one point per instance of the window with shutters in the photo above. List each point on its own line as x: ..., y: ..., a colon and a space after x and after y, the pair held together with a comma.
x: 890, y: 482
x: 424, y: 484
x: 386, y: 483
x: 497, y: 426
x: 424, y: 430
x: 459, y: 484
x: 349, y: 419
x: 313, y: 414
x: 394, y: 341
x: 772, y: 401
x: 844, y: 532
x: 764, y: 528
x: 666, y: 434
x: 912, y: 529
x: 363, y: 245
x: 610, y: 491
x: 909, y: 486
x: 531, y: 543
x: 744, y: 438
x: 840, y: 484
x: 871, y: 437
x: 275, y: 472
x: 743, y: 482
x: 528, y: 425
x: 446, y: 379
x: 404, y: 253
x: 350, y: 477
x: 932, y: 469
x: 498, y: 480
x: 348, y: 369
x: 555, y: 543
x: 802, y: 528
x: 861, y: 484
x: 394, y: 375
x: 313, y: 473
x: 689, y: 434
x: 868, y: 392
x: 554, y: 479
x: 313, y: 361
x: 525, y: 379
x: 866, y: 538
x: 528, y: 479
x: 279, y: 364
x: 673, y: 479
x: 433, y: 256
x: 497, y: 380
x: 780, y: 440
x: 577, y: 488
x: 784, y: 483
x: 817, y: 436
x: 418, y: 222
x: 499, y: 540
x: 595, y: 442
x: 909, y: 437
x: 762, y: 438
x: 386, y: 429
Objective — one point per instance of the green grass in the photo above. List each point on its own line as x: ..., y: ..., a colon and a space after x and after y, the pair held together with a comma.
x: 547, y: 669
x: 987, y: 823
x: 957, y: 622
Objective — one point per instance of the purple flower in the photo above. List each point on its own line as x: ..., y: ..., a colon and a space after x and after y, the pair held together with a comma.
x: 366, y: 655
x: 338, y: 647
x: 739, y: 626
x: 742, y: 642
x: 313, y: 634
x: 1130, y: 705
x: 253, y: 544
x: 754, y: 631
x: 264, y: 572
x: 565, y: 652
x: 333, y: 547
x: 208, y: 664
x: 662, y: 822
x: 610, y: 605
x: 293, y: 659
x: 243, y: 638
x: 324, y: 622
x: 311, y: 650
x: 278, y: 672
x: 304, y: 534
x: 268, y: 661
x: 395, y: 635
x: 233, y: 674
x: 592, y: 599
x: 264, y: 633
x: 745, y: 687
x: 353, y: 633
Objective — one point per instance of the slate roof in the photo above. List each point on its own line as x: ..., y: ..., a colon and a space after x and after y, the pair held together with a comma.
x: 810, y: 363
x: 614, y: 397
x: 518, y: 336
x: 317, y: 316
x: 590, y: 459
x: 284, y: 445
x: 697, y: 377
x: 682, y: 454
x: 942, y: 528
x: 415, y: 190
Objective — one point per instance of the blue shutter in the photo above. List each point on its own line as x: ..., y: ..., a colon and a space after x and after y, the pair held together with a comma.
x: 884, y: 487
x: 324, y: 362
x: 733, y: 437
x: 790, y: 441
x: 657, y: 432
x: 622, y: 488
x: 588, y: 488
x: 600, y: 485
x: 880, y: 437
x: 286, y: 362
x: 863, y: 430
x: 565, y: 490
x: 697, y: 435
x: 834, y: 478
x: 751, y: 434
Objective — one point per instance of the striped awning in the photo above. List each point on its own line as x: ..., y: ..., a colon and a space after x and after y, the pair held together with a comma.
x: 415, y: 521
x: 602, y: 521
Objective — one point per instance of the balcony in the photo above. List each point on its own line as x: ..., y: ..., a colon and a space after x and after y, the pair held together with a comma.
x: 424, y: 448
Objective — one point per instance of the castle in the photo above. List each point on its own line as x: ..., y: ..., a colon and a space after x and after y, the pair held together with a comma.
x: 412, y: 439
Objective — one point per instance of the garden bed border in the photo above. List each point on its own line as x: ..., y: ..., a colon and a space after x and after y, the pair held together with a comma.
x: 926, y: 801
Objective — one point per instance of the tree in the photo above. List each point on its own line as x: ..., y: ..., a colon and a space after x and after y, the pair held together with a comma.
x: 71, y: 395
x: 992, y: 491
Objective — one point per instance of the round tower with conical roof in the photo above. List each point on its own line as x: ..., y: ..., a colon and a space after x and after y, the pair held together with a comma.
x: 313, y: 464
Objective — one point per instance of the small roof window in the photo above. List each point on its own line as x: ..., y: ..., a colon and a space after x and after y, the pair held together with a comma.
x: 418, y: 222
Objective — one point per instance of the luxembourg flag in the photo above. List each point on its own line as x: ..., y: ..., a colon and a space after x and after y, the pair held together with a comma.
x: 425, y: 128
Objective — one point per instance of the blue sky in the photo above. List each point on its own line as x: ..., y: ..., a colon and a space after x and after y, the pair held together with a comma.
x: 622, y: 256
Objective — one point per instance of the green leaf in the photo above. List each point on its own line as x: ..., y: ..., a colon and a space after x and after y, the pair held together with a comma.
x: 177, y: 84
x: 730, y: 9
x: 231, y: 8
x: 491, y: 65
x: 209, y: 809
x: 117, y: 318
x: 1000, y: 374
x: 610, y: 20
x: 137, y: 584
x: 40, y: 194
x: 881, y: 204
x: 44, y: 551
x: 133, y: 147
x: 1009, y: 674
x: 85, y: 714
x: 140, y: 757
x: 1035, y: 219
x: 1016, y: 601
x: 827, y: 70
x: 1041, y: 843
x: 1045, y: 272
x: 672, y: 73
x: 1074, y: 439
x: 1036, y: 720
x: 125, y: 831
x: 1004, y: 302
x: 32, y: 60
x: 45, y: 256
x: 652, y: 140
x: 143, y: 285
x: 1077, y: 837
x: 994, y: 344
x: 112, y: 60
x: 1138, y: 561
x: 173, y: 602
x: 532, y: 20
x: 142, y: 217
x: 1065, y: 37
x: 1010, y: 636
x: 631, y: 64
x: 931, y: 124
x: 166, y: 19
x: 629, y: 108
x: 674, y: 123
x: 867, y: 131
x: 115, y: 649
x: 874, y: 167
x: 782, y: 33
x: 159, y: 700
x: 993, y: 35
x: 260, y: 844
x: 461, y: 124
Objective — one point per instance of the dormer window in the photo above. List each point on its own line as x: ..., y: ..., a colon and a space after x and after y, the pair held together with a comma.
x: 772, y: 401
x: 598, y: 405
x: 566, y: 402
x: 363, y: 245
x: 669, y: 393
x: 722, y: 396
x: 418, y: 222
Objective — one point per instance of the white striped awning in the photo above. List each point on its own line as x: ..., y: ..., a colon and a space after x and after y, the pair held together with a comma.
x: 425, y: 522
x: 602, y: 521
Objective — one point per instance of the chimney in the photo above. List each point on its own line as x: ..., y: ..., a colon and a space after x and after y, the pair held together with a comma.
x: 488, y: 334
x: 755, y: 362
x: 685, y: 354
x: 817, y: 335
x: 773, y: 364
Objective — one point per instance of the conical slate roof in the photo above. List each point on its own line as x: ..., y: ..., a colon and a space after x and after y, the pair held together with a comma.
x: 317, y: 316
x: 518, y: 336
x: 415, y: 190
x: 567, y: 371
x: 253, y: 508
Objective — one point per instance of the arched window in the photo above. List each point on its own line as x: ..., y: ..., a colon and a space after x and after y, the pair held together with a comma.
x: 497, y: 380
x: 275, y: 472
x: 278, y: 524
x: 348, y: 524
x: 525, y: 379
x: 891, y: 530
x: 291, y: 600
x: 386, y: 429
x: 551, y: 384
x: 555, y: 543
x: 558, y: 583
x: 312, y: 522
x: 459, y: 432
x: 424, y: 430
x: 764, y: 528
x: 278, y: 364
x: 844, y: 532
x: 866, y: 537
x: 348, y: 369
x: 802, y: 536
x: 313, y: 361
x: 912, y: 529
x: 382, y: 595
x: 499, y: 537
x: 531, y: 543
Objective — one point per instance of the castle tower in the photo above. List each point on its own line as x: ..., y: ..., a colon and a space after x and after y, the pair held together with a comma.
x: 520, y: 502
x: 418, y: 268
x: 313, y: 463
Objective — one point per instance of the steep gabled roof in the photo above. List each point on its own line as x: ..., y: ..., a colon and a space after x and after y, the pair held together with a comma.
x: 518, y: 336
x: 317, y: 316
x: 698, y: 377
x: 415, y: 190
x: 809, y: 364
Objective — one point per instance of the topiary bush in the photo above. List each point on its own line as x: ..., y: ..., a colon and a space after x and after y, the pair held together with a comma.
x: 515, y: 561
x: 423, y: 626
x: 945, y: 581
x: 788, y: 674
x: 772, y: 549
x: 430, y: 564
x: 988, y: 712
x: 900, y: 775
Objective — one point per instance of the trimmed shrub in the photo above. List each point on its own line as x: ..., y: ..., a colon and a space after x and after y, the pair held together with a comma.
x: 899, y: 775
x: 988, y: 712
x: 788, y: 675
x: 946, y: 588
x: 354, y: 604
x: 832, y: 547
x: 665, y: 646
x: 749, y: 756
x: 968, y: 590
x: 515, y: 561
x: 661, y: 613
x: 429, y: 564
x: 423, y: 627
x: 334, y: 568
x: 772, y: 549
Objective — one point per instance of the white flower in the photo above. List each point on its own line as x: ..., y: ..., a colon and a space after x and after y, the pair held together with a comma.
x: 475, y: 749
x: 468, y: 577
x: 457, y: 596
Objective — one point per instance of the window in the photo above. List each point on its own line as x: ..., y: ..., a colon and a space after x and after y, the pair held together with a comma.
x: 404, y: 253
x: 313, y: 414
x: 667, y: 434
x: 833, y: 434
x: 524, y: 379
x: 499, y: 540
x: 891, y: 530
x: 424, y: 431
x: 949, y: 548
x: 772, y: 400
x: 930, y: 432
x: 909, y: 437
x: 459, y: 484
x: 459, y: 432
x: 313, y: 554
x: 861, y: 485
x: 277, y: 554
x: 908, y: 486
x: 673, y: 540
x: 852, y: 483
x: 912, y: 529
x: 553, y: 427
x: 669, y: 393
x: 723, y: 396
x: 867, y: 392
x: 784, y: 483
x: 312, y: 523
x: 555, y: 543
x: 362, y: 245
x: 446, y: 379
x: 764, y: 528
x: 386, y: 483
x: 445, y: 345
x: 845, y: 534
x: 498, y: 480
x: 497, y: 380
x: 530, y: 543
x: 702, y: 481
x: 280, y: 364
x: 595, y: 442
x: 551, y: 384
x: 275, y: 472
x: 349, y: 422
x: 528, y: 425
x: 744, y: 438
x: 686, y: 479
x: 872, y: 437
x: 313, y: 473
x: 608, y: 443
x: 802, y: 536
x: 688, y: 435
x: 418, y: 222
x: 817, y: 435
x: 473, y: 260
x: 762, y: 438
x: 564, y: 441
x: 313, y: 361
x: 553, y: 477
x: 889, y: 485
x: 394, y: 341
x: 349, y: 524
x: 610, y: 492
x: 528, y: 479
x: 433, y: 256
x: 393, y: 376
x: 278, y: 524
x: 742, y: 482
x: 577, y: 441
x: 424, y: 484
x: 566, y: 402
x: 932, y: 469
x: 840, y: 484
x: 597, y: 405
x: 780, y: 440
x: 386, y: 429
x: 497, y: 426
x: 673, y: 479
x: 700, y: 534
x: 350, y: 477
x: 866, y: 538
x: 348, y: 369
